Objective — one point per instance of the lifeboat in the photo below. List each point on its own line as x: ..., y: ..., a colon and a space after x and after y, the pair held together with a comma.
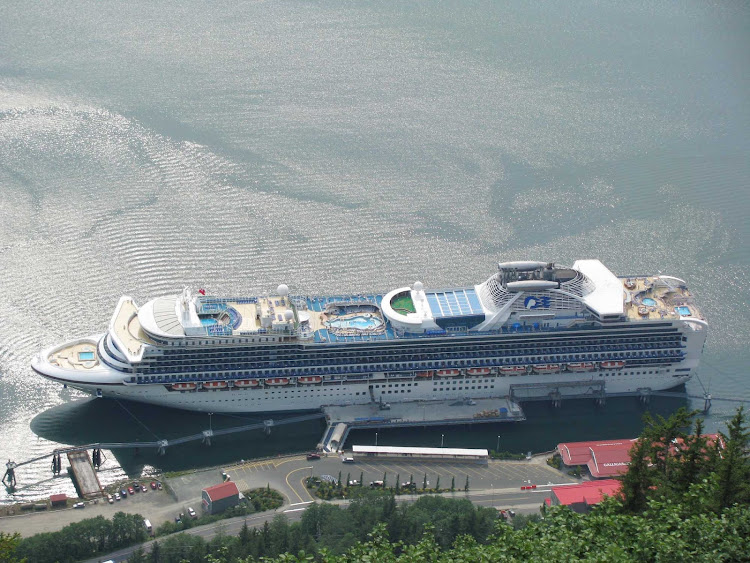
x: 424, y: 374
x: 546, y: 368
x: 309, y: 379
x: 580, y: 366
x: 612, y: 364
x: 512, y: 370
x: 214, y: 384
x: 242, y: 383
x: 447, y: 372
x: 478, y: 371
x: 278, y: 381
x: 183, y: 386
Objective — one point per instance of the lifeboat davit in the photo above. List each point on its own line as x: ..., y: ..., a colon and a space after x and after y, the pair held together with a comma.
x: 546, y: 368
x: 214, y: 384
x: 183, y: 386
x: 512, y: 370
x: 309, y: 379
x: 581, y: 366
x: 278, y: 381
x: 612, y: 364
x: 242, y: 383
x: 478, y: 371
x: 448, y: 372
x: 425, y: 374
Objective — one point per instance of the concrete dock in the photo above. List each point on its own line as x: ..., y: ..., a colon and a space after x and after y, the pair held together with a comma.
x: 83, y: 474
x: 342, y: 419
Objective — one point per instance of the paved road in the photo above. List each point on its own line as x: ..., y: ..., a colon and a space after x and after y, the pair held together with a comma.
x: 521, y: 501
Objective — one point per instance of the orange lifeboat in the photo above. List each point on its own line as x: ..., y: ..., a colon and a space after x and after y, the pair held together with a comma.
x: 581, y: 366
x: 612, y: 364
x: 309, y: 379
x: 278, y: 381
x: 546, y: 368
x: 512, y: 370
x: 214, y: 384
x: 242, y: 383
x: 424, y: 374
x: 478, y: 371
x: 183, y: 386
x: 447, y: 372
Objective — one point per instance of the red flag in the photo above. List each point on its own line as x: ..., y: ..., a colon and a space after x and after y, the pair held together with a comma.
x: 202, y: 291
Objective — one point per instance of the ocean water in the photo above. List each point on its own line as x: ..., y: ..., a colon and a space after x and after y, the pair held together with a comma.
x: 352, y: 146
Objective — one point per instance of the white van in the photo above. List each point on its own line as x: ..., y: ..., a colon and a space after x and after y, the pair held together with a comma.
x: 149, y: 529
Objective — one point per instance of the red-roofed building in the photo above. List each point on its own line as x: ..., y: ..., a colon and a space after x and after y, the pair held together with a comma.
x: 604, y: 458
x: 220, y: 497
x: 58, y: 500
x: 581, y: 498
x: 608, y: 458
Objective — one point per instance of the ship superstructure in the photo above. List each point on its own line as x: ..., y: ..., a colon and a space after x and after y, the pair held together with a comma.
x: 530, y: 323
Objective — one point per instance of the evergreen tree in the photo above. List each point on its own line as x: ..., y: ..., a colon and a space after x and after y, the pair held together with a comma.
x: 733, y: 467
x: 466, y: 486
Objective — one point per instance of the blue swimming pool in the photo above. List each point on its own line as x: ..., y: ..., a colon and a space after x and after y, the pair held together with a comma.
x: 683, y: 311
x: 649, y: 302
x: 208, y: 322
x: 85, y: 356
x: 358, y: 322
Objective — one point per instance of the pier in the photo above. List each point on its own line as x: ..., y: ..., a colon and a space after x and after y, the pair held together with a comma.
x: 342, y: 419
x: 83, y: 474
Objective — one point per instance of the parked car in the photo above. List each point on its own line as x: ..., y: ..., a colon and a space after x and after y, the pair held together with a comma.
x: 353, y: 483
x: 347, y: 460
x: 117, y: 496
x: 191, y: 512
x: 143, y: 488
x: 110, y: 500
x: 131, y: 491
x: 178, y: 519
x: 376, y: 483
x: 79, y: 505
x: 158, y: 485
x: 153, y: 485
x: 123, y: 493
x: 313, y: 455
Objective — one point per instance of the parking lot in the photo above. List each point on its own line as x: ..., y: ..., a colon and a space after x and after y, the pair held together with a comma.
x: 288, y: 474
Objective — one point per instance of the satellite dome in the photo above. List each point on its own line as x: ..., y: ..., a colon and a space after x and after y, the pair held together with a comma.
x: 418, y: 286
x: 288, y: 315
x: 283, y: 290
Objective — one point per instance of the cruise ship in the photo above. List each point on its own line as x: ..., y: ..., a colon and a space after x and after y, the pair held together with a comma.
x: 531, y: 324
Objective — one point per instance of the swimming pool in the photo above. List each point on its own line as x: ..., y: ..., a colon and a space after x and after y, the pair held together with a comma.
x: 683, y: 311
x: 208, y: 322
x: 358, y: 322
x: 648, y: 302
x: 85, y: 356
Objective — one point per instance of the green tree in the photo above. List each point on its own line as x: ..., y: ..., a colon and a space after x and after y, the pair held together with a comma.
x: 8, y: 545
x: 733, y: 466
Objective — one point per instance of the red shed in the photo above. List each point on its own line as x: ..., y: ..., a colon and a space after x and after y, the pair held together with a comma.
x: 220, y: 497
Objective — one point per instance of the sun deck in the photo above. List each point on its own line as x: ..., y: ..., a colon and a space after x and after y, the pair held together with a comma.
x: 79, y: 356
x: 658, y: 297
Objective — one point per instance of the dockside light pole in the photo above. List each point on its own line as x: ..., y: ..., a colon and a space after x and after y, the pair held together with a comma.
x: 498, y: 445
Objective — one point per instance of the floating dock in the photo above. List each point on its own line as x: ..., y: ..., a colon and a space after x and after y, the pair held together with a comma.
x: 342, y: 419
x: 84, y: 477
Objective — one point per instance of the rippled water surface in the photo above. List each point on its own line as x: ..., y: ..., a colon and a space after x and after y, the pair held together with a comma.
x: 352, y: 146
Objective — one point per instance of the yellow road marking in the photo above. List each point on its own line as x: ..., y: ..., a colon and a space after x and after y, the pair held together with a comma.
x: 290, y: 485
